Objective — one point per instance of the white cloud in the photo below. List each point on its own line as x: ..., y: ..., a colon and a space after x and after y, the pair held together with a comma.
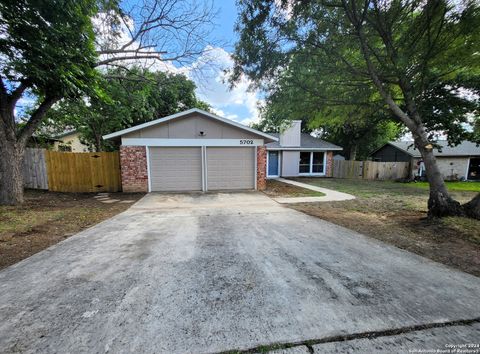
x: 208, y: 72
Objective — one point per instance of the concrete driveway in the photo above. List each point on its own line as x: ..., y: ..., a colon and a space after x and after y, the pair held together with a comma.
x: 217, y: 272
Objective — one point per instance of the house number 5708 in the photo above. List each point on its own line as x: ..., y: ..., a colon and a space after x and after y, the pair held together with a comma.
x: 246, y: 142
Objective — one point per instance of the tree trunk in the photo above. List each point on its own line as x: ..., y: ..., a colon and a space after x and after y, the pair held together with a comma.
x: 98, y: 143
x: 440, y: 203
x: 352, y: 154
x: 13, y: 143
x: 11, y: 176
x: 472, y: 208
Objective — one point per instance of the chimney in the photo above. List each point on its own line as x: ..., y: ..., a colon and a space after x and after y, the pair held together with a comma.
x: 291, y: 135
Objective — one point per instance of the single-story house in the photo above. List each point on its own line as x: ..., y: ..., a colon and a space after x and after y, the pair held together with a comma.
x: 192, y: 150
x: 299, y: 154
x: 196, y: 150
x: 461, y: 162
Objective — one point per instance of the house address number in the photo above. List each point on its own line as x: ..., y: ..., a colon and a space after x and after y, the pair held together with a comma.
x: 246, y: 142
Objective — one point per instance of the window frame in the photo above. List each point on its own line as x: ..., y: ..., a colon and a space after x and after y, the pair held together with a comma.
x: 311, y: 173
x: 309, y: 163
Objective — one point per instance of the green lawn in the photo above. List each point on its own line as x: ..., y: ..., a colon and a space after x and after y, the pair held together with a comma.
x: 396, y: 213
x: 463, y: 191
x: 452, y: 186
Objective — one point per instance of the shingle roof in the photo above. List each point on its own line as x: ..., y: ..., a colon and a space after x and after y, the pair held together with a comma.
x: 306, y: 142
x: 466, y: 148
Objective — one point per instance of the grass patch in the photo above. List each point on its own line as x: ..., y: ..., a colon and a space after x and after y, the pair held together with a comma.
x: 466, y: 226
x: 47, y: 218
x: 280, y: 189
x: 452, y: 186
x: 396, y: 213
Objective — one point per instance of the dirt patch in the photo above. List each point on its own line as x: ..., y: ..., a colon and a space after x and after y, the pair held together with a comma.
x: 398, y: 217
x: 47, y: 218
x: 279, y: 189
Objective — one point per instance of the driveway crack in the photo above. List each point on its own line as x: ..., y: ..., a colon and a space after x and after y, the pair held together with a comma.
x: 309, y: 343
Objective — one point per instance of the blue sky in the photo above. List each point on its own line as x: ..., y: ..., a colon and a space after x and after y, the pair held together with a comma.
x: 226, y: 20
x: 238, y: 104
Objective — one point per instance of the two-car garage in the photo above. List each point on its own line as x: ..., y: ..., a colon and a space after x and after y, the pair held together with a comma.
x: 192, y: 150
x: 201, y: 168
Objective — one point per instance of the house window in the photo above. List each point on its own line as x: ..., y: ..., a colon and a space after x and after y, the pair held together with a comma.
x: 311, y: 163
x: 304, y: 162
x: 317, y: 162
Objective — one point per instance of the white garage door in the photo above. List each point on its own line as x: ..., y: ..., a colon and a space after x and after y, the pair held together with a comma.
x: 176, y: 168
x: 230, y: 168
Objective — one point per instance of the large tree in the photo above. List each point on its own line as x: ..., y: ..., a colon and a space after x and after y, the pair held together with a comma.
x: 132, y: 97
x: 46, y: 51
x: 404, y: 49
x: 355, y: 119
x: 50, y: 49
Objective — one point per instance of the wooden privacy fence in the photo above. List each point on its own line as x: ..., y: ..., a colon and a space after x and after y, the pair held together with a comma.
x: 371, y: 170
x: 83, y: 171
x: 35, y: 169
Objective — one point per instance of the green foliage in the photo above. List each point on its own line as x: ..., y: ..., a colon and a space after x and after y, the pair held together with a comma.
x: 451, y: 105
x: 355, y: 119
x: 48, y: 45
x: 319, y: 60
x: 131, y: 98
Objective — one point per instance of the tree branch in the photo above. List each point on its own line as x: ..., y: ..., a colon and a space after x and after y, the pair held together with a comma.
x: 373, y: 72
x: 123, y: 51
x: 35, y: 119
x: 154, y: 56
x: 16, y: 94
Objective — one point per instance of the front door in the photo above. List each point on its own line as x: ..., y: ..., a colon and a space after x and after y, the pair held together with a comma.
x: 273, y: 160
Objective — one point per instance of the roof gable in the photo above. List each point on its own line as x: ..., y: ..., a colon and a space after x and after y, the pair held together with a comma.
x: 184, y: 114
x: 465, y: 148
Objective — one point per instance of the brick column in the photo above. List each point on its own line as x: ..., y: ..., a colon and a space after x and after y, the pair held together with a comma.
x: 329, y: 164
x: 261, y: 168
x: 133, y: 163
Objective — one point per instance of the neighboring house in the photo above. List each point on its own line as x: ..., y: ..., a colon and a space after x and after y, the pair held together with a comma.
x: 458, y: 162
x: 69, y: 141
x: 41, y: 142
x: 299, y: 154
x: 192, y: 150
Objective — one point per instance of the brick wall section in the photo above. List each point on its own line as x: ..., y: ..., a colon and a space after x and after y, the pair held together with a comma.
x: 133, y: 162
x: 329, y: 164
x: 261, y: 168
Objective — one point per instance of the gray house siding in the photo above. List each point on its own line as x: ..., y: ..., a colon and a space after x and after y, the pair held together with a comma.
x: 453, y: 167
x: 289, y: 163
x: 189, y: 127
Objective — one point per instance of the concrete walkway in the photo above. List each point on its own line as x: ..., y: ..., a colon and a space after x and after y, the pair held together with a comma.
x: 330, y: 195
